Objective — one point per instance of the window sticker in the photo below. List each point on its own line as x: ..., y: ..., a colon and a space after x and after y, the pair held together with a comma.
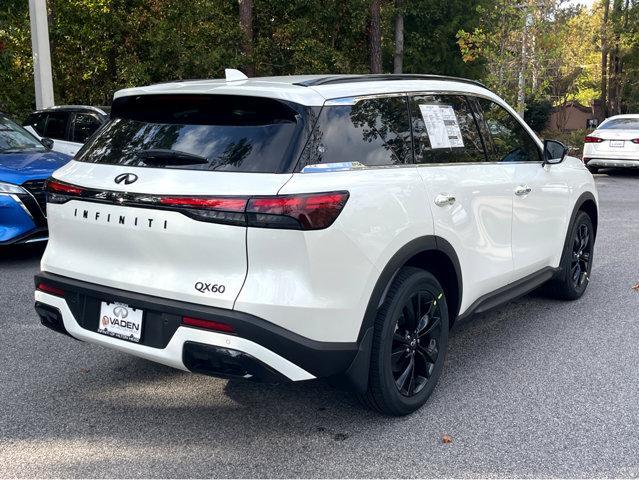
x: 442, y: 126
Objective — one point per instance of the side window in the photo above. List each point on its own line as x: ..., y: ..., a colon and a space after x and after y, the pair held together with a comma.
x: 57, y: 125
x: 511, y: 142
x: 444, y: 130
x: 372, y: 132
x: 37, y: 121
x: 83, y: 126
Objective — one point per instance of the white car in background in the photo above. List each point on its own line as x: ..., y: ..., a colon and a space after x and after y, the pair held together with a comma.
x: 615, y: 144
x: 68, y: 126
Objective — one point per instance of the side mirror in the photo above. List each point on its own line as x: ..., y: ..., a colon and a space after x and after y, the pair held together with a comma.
x: 554, y: 152
x: 47, y: 142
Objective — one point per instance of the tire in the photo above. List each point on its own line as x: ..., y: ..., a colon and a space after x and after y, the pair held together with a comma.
x: 576, y: 261
x: 415, y: 307
x: 593, y: 170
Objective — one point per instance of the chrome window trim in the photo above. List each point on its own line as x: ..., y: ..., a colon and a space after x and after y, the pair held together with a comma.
x: 415, y: 165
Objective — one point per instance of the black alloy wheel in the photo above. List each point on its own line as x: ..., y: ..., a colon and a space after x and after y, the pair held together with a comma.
x: 581, y: 255
x: 416, y: 341
x: 573, y: 275
x: 410, y: 338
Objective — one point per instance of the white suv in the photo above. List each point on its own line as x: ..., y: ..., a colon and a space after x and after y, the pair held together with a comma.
x: 284, y: 229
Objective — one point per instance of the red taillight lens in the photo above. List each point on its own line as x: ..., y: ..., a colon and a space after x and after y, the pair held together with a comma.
x: 591, y: 139
x: 635, y: 140
x: 208, y: 324
x: 54, y: 186
x: 227, y: 204
x: 46, y: 288
x: 306, y: 212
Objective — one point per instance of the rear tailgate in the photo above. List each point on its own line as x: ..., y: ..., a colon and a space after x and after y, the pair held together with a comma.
x: 148, y: 250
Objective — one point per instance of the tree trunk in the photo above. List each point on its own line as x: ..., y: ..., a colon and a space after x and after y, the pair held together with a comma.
x: 398, y: 60
x: 604, y: 58
x: 246, y: 25
x: 376, y: 37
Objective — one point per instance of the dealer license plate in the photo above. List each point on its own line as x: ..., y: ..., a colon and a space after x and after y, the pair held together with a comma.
x: 616, y: 143
x: 120, y: 321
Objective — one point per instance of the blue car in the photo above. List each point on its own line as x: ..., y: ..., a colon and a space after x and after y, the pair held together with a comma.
x: 25, y: 165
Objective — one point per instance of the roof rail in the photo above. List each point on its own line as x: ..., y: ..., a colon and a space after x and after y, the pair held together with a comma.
x: 337, y: 79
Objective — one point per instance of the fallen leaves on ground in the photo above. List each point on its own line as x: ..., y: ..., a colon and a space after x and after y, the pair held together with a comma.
x: 447, y: 439
x: 636, y: 287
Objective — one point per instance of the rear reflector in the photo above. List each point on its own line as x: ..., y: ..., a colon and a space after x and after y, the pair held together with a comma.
x: 591, y: 139
x: 208, y: 324
x: 46, y: 288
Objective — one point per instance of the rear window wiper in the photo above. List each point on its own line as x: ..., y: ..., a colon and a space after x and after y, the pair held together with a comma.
x: 160, y: 157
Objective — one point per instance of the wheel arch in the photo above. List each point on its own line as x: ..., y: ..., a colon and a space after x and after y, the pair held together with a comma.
x: 586, y: 203
x: 431, y: 253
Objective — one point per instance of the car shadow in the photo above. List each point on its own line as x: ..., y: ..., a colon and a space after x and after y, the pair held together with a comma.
x: 14, y: 254
x: 620, y: 172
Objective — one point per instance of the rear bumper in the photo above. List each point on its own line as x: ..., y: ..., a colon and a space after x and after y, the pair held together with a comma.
x: 613, y: 163
x: 258, y: 350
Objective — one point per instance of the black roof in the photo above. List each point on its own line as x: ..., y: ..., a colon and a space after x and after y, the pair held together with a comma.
x: 336, y: 79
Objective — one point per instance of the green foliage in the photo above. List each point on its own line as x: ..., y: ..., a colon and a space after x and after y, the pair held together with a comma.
x: 100, y: 46
x: 537, y: 114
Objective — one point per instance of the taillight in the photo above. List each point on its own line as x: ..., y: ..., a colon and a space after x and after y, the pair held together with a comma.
x: 55, y: 186
x: 227, y: 204
x: 591, y: 139
x: 208, y: 324
x: 304, y: 212
x: 635, y: 140
x: 46, y: 288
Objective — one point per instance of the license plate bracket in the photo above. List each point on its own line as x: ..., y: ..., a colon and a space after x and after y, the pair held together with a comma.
x: 121, y: 321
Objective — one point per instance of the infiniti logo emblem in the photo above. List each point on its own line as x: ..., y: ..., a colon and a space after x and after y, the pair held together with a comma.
x: 120, y: 311
x: 127, y: 178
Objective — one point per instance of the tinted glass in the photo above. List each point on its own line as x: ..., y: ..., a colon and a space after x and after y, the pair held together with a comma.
x: 37, y: 121
x: 445, y: 130
x: 228, y: 133
x: 84, y: 125
x: 372, y: 132
x: 56, y: 125
x: 14, y: 138
x: 621, y: 124
x: 510, y: 141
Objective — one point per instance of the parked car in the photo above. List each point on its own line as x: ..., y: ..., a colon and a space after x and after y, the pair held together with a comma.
x: 614, y: 144
x: 25, y: 164
x: 289, y: 228
x: 69, y: 126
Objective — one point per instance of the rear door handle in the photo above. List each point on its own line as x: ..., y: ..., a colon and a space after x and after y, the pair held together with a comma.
x: 522, y: 190
x: 443, y: 200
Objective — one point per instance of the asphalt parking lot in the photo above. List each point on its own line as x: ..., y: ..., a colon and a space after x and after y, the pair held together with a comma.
x: 536, y: 388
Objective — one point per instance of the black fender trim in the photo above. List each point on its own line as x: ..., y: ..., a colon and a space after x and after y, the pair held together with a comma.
x: 356, y: 377
x: 583, y: 198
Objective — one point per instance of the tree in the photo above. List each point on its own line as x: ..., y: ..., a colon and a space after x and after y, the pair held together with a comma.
x: 246, y: 25
x: 375, y: 37
x: 398, y: 58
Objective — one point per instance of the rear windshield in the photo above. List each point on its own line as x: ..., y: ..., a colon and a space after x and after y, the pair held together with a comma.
x: 199, y: 132
x: 621, y: 124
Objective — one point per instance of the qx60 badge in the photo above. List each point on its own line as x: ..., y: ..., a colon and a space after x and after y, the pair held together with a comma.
x: 127, y: 178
